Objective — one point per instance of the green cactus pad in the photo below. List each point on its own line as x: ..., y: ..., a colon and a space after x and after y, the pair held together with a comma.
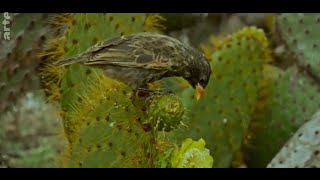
x: 28, y: 33
x: 104, y: 129
x: 191, y: 154
x: 302, y: 150
x: 165, y: 112
x: 19, y: 56
x: 222, y: 116
x: 15, y: 82
x: 300, y: 32
x: 292, y: 100
x: 87, y: 29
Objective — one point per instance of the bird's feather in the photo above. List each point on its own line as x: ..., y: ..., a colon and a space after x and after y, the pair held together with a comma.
x: 107, y: 44
x: 83, y: 57
x: 129, y: 51
x: 142, y: 58
x: 145, y: 50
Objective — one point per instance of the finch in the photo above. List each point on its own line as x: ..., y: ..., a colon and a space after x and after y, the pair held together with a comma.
x: 142, y: 58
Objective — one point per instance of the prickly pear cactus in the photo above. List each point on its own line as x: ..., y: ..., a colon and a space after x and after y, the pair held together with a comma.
x: 303, y: 149
x: 222, y: 116
x: 292, y: 98
x: 300, y: 32
x: 28, y: 33
x: 104, y: 124
x: 18, y: 56
x: 28, y: 133
x: 15, y: 82
x: 104, y: 128
x: 115, y: 132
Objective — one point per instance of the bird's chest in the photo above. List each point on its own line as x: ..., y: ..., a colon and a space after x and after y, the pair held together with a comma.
x: 134, y: 77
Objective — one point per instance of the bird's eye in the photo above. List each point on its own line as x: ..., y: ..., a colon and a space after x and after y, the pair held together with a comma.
x: 202, y: 80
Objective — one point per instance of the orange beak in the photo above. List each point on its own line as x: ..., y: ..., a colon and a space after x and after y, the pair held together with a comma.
x: 199, y: 91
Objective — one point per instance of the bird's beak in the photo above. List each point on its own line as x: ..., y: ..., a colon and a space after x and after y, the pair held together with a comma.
x: 199, y: 91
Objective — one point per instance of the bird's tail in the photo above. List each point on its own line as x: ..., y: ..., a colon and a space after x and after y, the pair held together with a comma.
x: 68, y: 61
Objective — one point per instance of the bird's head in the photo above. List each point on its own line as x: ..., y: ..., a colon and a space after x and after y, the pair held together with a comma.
x: 199, y: 73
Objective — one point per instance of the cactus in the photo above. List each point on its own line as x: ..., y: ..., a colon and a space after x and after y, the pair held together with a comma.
x: 291, y: 100
x: 300, y: 33
x: 29, y: 133
x: 15, y: 82
x: 115, y: 137
x: 208, y: 47
x: 18, y: 57
x: 104, y: 128
x: 218, y: 118
x: 104, y: 122
x: 28, y: 33
x: 302, y: 150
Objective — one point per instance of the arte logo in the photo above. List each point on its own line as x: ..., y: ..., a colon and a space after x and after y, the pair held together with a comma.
x: 6, y: 28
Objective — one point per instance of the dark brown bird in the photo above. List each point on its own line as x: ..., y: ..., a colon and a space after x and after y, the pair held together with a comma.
x: 142, y: 58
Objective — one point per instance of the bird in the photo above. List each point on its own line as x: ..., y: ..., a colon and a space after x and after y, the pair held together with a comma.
x: 142, y: 58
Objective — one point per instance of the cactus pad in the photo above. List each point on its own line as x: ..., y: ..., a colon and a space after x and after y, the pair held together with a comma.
x: 302, y: 150
x: 300, y: 32
x: 223, y: 115
x: 292, y: 100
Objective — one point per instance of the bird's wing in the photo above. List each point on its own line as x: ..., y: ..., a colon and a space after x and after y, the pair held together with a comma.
x: 88, y: 55
x: 127, y: 51
x: 107, y: 44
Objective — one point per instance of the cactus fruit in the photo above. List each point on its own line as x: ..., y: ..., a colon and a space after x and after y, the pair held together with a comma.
x: 191, y: 154
x: 292, y: 98
x: 300, y: 32
x: 165, y: 112
x: 217, y: 117
x: 303, y: 149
